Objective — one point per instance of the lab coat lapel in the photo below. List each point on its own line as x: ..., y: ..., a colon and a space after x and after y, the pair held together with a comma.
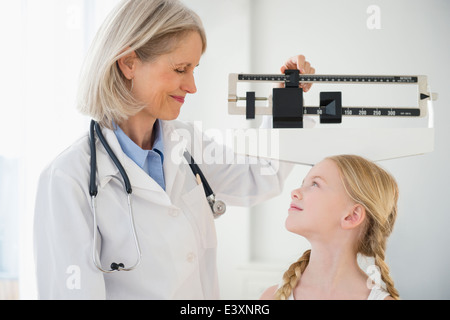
x: 107, y: 168
x: 174, y: 168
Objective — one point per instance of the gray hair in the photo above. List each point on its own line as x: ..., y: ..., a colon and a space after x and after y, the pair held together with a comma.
x: 150, y: 28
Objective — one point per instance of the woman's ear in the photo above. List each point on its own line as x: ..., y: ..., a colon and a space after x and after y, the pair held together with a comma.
x: 354, y: 217
x: 127, y: 65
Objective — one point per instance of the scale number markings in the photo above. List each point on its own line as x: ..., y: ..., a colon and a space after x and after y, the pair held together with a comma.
x: 363, y: 112
x: 331, y: 78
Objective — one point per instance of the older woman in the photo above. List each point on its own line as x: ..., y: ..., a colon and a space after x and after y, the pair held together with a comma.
x: 135, y: 80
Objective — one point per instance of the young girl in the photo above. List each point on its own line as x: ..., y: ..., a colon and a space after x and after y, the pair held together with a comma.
x: 346, y: 205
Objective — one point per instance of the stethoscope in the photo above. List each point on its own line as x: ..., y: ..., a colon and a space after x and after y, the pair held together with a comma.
x: 218, y: 207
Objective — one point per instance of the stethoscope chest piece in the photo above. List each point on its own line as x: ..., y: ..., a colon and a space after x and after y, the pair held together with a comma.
x: 218, y: 207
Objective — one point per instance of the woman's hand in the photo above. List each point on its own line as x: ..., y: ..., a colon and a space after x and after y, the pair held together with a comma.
x: 299, y: 62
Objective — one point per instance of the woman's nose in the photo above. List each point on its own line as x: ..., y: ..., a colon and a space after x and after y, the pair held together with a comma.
x: 188, y: 84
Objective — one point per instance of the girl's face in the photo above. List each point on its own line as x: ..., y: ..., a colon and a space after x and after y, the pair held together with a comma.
x: 320, y: 204
x: 163, y: 84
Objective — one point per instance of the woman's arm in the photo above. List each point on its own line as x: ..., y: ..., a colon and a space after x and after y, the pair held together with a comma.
x: 63, y: 240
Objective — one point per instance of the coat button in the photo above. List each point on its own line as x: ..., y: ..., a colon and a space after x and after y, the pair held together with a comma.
x: 174, y: 212
x: 191, y: 257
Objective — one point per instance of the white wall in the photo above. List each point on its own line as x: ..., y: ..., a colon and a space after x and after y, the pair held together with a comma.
x: 413, y: 39
x: 334, y: 36
x: 249, y: 36
x: 228, y: 29
x: 45, y: 43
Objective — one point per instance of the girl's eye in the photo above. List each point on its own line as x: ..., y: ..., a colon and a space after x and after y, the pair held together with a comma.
x: 314, y: 184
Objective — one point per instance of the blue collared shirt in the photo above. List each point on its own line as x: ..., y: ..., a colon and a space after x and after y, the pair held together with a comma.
x: 151, y: 161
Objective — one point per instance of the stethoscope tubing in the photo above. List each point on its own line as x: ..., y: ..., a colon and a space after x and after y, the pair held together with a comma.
x: 93, y: 185
x: 197, y: 171
x: 115, y: 267
x: 218, y: 207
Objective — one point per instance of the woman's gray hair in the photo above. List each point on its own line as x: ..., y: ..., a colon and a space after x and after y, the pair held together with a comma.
x: 150, y: 28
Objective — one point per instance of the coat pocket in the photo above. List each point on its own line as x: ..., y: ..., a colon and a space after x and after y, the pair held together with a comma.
x: 202, y: 215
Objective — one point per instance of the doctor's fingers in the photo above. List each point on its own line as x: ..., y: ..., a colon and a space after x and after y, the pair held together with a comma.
x: 299, y: 62
x: 307, y: 86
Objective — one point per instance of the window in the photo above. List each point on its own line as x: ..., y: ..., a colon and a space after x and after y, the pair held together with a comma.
x: 10, y: 108
x: 44, y: 45
x: 9, y: 230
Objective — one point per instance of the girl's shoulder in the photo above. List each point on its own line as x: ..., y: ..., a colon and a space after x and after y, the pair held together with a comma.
x: 269, y: 293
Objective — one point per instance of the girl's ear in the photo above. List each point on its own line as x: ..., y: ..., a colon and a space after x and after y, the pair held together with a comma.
x: 354, y: 217
x: 127, y: 65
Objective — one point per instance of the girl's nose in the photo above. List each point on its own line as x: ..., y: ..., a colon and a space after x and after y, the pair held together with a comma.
x: 296, y: 194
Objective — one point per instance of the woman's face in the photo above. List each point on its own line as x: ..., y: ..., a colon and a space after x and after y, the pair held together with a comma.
x: 163, y: 83
x: 318, y: 206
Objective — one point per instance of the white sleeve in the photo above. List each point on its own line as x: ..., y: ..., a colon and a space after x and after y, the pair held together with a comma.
x: 240, y: 180
x: 63, y: 241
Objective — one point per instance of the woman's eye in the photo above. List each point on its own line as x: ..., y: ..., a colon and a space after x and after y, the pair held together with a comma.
x: 180, y: 71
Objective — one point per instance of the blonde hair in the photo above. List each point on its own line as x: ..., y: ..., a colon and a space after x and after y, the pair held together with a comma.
x: 150, y: 28
x: 374, y: 188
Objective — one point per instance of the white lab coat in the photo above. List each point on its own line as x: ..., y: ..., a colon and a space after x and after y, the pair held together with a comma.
x: 175, y: 227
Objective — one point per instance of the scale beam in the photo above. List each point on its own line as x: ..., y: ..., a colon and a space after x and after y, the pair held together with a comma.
x: 286, y: 106
x: 423, y: 96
